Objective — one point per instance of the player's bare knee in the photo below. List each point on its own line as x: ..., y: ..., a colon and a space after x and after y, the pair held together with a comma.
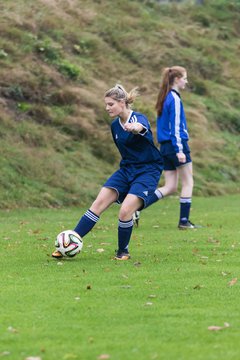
x: 124, y: 214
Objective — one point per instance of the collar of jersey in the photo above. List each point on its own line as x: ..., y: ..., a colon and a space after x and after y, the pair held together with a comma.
x: 176, y: 92
x: 130, y: 115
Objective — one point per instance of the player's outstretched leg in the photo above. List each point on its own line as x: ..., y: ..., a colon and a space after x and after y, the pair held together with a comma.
x: 85, y: 224
x: 151, y: 199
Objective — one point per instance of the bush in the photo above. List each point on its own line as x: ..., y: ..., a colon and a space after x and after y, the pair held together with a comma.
x: 70, y: 70
x: 203, y: 19
x: 48, y: 49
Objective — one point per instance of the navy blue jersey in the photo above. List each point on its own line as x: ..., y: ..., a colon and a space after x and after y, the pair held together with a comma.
x: 171, y: 124
x: 135, y: 148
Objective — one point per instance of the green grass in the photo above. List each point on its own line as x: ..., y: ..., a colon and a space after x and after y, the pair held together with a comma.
x: 158, y: 305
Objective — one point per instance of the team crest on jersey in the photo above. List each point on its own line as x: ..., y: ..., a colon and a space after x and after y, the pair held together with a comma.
x: 116, y: 136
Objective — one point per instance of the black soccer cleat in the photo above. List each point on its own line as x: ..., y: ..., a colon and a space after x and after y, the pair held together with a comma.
x: 122, y: 255
x: 188, y: 225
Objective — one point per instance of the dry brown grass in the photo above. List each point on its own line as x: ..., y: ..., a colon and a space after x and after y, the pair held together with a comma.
x: 129, y: 43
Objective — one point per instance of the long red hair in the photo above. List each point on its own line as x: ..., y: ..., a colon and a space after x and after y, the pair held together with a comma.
x: 168, y: 76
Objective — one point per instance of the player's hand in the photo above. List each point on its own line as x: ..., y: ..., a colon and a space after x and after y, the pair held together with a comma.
x: 181, y: 157
x: 135, y: 128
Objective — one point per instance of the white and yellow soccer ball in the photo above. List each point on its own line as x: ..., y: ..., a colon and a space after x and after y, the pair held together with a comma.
x: 69, y: 243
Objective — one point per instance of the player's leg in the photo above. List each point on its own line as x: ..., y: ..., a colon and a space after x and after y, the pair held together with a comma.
x: 171, y: 183
x: 170, y: 186
x: 125, y: 225
x: 104, y: 199
x: 170, y: 173
x: 145, y: 182
x: 110, y: 192
x: 186, y: 177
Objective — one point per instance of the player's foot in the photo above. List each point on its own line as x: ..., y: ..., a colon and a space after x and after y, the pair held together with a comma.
x: 188, y: 225
x: 57, y: 255
x: 136, y: 218
x: 122, y: 255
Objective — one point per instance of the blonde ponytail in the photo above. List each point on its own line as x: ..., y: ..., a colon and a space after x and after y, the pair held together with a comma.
x: 119, y: 93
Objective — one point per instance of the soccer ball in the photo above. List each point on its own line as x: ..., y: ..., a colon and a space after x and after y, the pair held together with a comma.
x: 69, y: 243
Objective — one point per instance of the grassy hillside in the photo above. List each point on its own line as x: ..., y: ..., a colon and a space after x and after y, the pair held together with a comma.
x: 57, y: 58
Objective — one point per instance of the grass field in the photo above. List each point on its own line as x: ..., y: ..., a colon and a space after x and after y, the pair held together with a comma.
x: 158, y: 305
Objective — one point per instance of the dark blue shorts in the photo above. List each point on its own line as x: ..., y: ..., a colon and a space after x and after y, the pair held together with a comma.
x: 170, y: 160
x: 139, y: 180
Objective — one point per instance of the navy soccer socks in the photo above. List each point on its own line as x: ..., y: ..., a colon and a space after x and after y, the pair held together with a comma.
x: 185, y: 206
x: 124, y: 234
x: 86, y: 223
